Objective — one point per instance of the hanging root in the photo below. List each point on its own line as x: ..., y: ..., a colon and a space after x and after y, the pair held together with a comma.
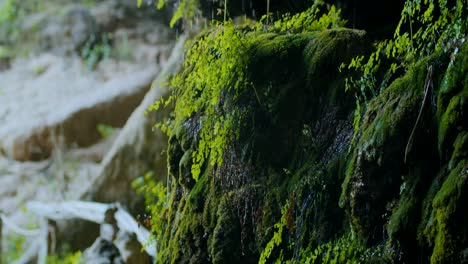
x: 427, y: 84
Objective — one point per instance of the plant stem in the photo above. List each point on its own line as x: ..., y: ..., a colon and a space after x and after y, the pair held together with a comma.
x: 225, y: 10
x: 268, y: 12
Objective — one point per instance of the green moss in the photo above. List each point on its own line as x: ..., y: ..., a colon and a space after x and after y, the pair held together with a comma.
x: 225, y: 242
x: 373, y: 175
x: 198, y: 194
x: 452, y: 99
x: 460, y: 147
x: 401, y: 218
x: 453, y: 118
x: 277, y: 69
x: 447, y: 210
x: 292, y: 124
x: 345, y: 186
x: 323, y: 53
x: 426, y: 212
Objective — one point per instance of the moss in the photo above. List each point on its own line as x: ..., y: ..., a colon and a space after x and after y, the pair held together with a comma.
x: 346, y: 186
x: 460, y: 147
x: 323, y: 55
x: 175, y: 153
x: 198, y: 193
x: 447, y: 212
x: 225, y: 242
x: 452, y: 101
x: 426, y: 208
x: 374, y: 174
x: 185, y: 165
x: 401, y: 218
x: 292, y: 136
x: 453, y: 119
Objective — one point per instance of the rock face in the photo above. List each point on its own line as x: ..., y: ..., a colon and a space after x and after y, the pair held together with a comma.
x: 69, y: 32
x: 293, y: 135
x: 293, y: 186
x: 39, y: 109
x: 59, y: 97
x: 139, y: 147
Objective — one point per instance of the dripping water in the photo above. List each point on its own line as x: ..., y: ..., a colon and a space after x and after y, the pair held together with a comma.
x: 300, y: 223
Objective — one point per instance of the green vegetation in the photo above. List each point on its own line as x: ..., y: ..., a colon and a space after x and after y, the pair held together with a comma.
x: 277, y: 236
x: 221, y: 57
x: 370, y: 175
x: 433, y: 27
x: 155, y: 194
x: 105, y: 130
x: 14, y: 246
x: 96, y: 50
x: 71, y: 258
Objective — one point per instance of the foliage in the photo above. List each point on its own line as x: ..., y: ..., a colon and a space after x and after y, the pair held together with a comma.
x: 277, y: 236
x: 186, y: 9
x: 155, y: 195
x: 105, y: 130
x: 308, y: 21
x: 16, y: 247
x: 4, y: 52
x: 215, y: 66
x: 12, y: 14
x: 123, y: 49
x: 433, y: 27
x: 69, y: 258
x: 8, y: 13
x: 13, y: 248
x: 96, y: 50
x: 347, y: 249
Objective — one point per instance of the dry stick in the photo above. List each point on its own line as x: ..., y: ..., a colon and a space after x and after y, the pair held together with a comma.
x: 427, y: 84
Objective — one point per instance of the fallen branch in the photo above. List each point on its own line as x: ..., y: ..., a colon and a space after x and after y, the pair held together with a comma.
x: 90, y: 211
x: 94, y: 212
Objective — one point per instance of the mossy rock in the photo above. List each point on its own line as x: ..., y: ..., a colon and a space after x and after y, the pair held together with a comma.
x: 234, y: 205
x: 452, y: 102
x: 374, y: 174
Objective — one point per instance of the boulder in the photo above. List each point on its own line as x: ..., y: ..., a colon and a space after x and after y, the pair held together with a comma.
x: 138, y: 148
x: 69, y: 32
x: 46, y: 102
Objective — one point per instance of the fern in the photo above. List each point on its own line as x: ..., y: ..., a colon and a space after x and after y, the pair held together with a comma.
x: 215, y: 65
x: 434, y: 33
x: 277, y: 236
x: 155, y: 195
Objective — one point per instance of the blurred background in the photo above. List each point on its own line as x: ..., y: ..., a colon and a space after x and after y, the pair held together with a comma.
x: 71, y: 75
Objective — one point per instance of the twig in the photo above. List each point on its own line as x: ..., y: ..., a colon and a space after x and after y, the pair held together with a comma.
x: 427, y: 84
